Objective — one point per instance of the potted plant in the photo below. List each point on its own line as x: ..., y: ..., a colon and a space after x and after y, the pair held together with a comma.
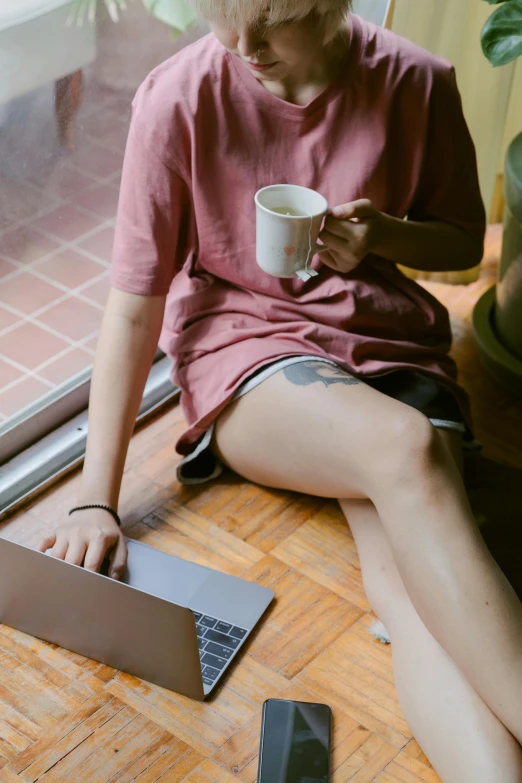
x: 130, y: 49
x: 177, y: 14
x: 497, y: 317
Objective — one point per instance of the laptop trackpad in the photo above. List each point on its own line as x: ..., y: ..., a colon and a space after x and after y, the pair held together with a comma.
x: 161, y: 574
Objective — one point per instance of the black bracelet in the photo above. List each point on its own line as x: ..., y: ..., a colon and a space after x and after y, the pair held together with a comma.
x: 98, y: 505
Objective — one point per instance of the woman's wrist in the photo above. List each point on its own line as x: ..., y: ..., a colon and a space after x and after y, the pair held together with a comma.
x: 87, y: 496
x: 389, y: 237
x: 97, y: 506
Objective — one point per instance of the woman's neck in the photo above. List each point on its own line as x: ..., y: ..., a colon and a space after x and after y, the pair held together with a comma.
x: 302, y: 89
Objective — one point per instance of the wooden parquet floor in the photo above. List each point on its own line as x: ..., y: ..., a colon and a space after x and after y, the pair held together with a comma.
x: 66, y: 718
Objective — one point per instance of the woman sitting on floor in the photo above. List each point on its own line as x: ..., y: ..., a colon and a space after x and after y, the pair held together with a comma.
x: 350, y: 392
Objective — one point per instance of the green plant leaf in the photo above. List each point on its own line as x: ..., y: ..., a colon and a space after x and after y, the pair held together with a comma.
x: 177, y: 14
x: 86, y: 9
x: 501, y: 36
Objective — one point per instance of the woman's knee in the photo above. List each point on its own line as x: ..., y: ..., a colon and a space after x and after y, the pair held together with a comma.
x: 412, y: 448
x: 415, y: 433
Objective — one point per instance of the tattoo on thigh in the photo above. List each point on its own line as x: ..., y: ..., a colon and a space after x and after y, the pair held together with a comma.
x: 306, y: 373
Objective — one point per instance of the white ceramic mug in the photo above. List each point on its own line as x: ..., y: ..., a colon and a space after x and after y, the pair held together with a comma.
x: 286, y: 240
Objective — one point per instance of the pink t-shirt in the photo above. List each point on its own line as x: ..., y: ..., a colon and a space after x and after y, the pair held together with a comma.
x: 206, y: 135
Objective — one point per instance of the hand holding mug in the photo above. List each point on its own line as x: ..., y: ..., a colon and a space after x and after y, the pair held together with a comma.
x: 350, y: 232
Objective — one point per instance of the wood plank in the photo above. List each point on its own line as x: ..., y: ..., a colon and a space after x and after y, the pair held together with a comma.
x: 64, y: 757
x: 208, y: 535
x: 20, y: 722
x: 18, y: 740
x: 304, y: 619
x: 252, y: 682
x: 386, y: 777
x: 366, y: 761
x: 164, y: 714
x: 49, y: 656
x: 33, y: 671
x: 6, y: 776
x: 208, y: 772
x: 271, y: 531
x: 172, y: 764
x: 261, y: 517
x: 414, y: 750
x: 362, y: 647
x: 249, y: 773
x: 99, y: 708
x: 7, y: 750
x: 404, y: 765
x: 116, y: 751
x: 350, y: 744
x: 216, y: 719
x: 242, y: 748
x: 324, y: 550
x: 337, y: 670
x: 23, y: 703
x: 44, y: 696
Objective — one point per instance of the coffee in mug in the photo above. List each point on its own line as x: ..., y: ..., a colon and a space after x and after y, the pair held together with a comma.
x: 289, y: 211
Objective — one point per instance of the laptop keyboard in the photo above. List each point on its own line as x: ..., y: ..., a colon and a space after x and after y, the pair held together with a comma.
x: 217, y: 643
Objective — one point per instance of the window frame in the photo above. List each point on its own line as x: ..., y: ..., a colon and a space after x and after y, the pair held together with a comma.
x: 47, y: 439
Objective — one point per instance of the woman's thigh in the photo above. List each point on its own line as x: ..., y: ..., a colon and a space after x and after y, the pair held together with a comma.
x: 313, y: 428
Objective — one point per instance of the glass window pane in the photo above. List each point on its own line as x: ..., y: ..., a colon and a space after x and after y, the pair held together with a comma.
x: 65, y: 99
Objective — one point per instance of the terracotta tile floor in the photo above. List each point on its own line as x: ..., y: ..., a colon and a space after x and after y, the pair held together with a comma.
x: 57, y: 212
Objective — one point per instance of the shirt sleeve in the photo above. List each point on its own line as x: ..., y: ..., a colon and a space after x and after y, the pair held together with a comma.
x: 448, y: 189
x: 154, y: 223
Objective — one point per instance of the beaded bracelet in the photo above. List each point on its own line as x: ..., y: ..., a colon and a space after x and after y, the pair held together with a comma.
x: 98, y: 505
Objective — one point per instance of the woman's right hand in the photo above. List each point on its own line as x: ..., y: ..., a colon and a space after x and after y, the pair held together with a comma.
x: 87, y: 537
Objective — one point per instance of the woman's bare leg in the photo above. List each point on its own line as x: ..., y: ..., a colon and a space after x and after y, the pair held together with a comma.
x: 456, y: 729
x: 311, y: 430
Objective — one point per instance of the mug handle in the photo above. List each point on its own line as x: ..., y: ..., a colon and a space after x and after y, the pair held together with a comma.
x: 319, y: 248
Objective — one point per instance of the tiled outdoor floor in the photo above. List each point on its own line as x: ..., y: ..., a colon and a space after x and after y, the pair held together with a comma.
x: 58, y: 208
x: 57, y: 212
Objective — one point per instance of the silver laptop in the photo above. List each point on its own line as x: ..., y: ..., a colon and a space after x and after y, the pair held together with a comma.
x: 171, y: 622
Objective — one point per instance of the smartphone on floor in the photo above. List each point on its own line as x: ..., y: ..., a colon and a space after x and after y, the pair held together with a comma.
x: 295, y: 742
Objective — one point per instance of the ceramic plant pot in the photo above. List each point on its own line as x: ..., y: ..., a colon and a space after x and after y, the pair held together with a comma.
x: 497, y: 317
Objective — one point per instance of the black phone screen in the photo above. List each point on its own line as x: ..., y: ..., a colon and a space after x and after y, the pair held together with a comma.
x: 295, y: 742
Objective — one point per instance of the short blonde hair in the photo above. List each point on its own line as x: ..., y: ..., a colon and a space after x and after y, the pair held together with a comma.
x: 244, y: 12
